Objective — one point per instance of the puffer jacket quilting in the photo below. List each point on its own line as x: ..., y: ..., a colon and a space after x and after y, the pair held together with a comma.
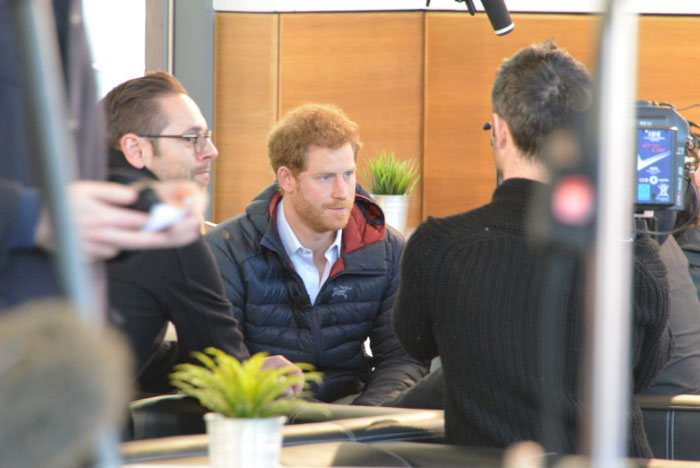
x: 273, y: 307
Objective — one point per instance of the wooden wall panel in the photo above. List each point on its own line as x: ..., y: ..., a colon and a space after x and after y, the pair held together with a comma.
x: 246, y: 59
x: 417, y: 83
x: 462, y: 56
x: 368, y: 64
x: 669, y: 68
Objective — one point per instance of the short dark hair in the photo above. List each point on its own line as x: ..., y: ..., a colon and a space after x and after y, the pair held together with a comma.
x: 322, y: 125
x: 540, y: 90
x: 132, y: 107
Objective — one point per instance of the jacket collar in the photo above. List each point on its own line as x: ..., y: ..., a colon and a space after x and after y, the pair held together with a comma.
x: 119, y: 169
x: 365, y: 226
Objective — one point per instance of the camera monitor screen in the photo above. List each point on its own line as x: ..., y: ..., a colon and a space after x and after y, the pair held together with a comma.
x: 655, y: 168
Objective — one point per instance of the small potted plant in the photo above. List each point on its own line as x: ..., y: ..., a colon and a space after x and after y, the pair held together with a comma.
x: 245, y: 403
x: 390, y: 182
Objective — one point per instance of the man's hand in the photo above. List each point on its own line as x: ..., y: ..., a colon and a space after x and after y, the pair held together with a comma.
x: 106, y: 226
x: 276, y: 361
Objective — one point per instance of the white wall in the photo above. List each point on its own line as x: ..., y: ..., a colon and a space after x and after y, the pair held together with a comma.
x: 117, y: 33
x: 116, y: 28
x: 562, y: 6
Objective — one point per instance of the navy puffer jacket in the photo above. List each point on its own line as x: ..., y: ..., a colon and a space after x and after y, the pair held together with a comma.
x: 273, y: 308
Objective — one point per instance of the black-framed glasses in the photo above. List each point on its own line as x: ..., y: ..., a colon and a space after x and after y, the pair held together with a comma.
x: 198, y: 140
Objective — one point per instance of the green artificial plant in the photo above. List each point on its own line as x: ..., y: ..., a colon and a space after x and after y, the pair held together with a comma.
x: 386, y: 175
x: 224, y: 385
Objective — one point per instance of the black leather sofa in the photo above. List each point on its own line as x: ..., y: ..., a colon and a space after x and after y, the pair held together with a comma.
x: 176, y: 415
x: 672, y: 425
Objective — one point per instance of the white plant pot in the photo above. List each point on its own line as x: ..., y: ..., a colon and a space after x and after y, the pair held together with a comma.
x: 244, y: 442
x: 395, y: 208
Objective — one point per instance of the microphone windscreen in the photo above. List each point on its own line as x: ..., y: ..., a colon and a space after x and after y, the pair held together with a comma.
x: 499, y: 16
x: 62, y: 386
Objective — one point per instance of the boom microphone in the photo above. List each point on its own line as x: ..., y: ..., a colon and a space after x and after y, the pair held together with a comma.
x: 498, y: 15
x: 497, y: 12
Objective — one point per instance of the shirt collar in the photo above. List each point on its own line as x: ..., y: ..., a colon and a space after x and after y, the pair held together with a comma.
x: 337, y: 242
x: 289, y: 239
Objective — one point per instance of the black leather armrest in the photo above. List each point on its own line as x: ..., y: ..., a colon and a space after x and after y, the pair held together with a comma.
x: 175, y: 415
x: 672, y: 424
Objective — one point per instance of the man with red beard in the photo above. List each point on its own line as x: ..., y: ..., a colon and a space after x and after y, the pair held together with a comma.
x: 311, y: 268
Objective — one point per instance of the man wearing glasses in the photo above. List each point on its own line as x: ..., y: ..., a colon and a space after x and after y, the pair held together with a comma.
x: 155, y: 127
x: 155, y: 131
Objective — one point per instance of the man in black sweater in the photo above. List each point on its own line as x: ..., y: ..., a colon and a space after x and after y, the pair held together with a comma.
x: 473, y: 284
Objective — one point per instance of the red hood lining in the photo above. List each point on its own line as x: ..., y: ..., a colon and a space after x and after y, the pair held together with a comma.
x: 358, y: 232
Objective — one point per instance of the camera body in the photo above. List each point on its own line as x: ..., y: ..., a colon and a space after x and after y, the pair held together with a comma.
x: 667, y: 152
x: 661, y: 136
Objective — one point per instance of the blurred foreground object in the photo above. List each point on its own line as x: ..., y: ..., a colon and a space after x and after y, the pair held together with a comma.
x: 61, y: 385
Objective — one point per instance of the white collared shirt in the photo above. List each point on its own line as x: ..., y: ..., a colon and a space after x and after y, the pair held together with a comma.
x: 303, y: 258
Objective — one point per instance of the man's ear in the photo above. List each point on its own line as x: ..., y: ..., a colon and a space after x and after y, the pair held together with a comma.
x: 134, y: 149
x: 286, y: 179
x: 501, y: 131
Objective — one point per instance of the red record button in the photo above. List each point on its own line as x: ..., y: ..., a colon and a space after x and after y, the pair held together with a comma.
x: 573, y: 200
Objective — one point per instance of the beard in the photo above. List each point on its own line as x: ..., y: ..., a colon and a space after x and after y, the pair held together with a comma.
x: 175, y: 169
x: 320, y: 219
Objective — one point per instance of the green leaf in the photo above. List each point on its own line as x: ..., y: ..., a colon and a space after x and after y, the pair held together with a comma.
x: 385, y: 175
x: 224, y: 385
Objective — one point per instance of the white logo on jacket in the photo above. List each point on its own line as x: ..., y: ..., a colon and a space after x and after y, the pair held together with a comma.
x: 341, y: 291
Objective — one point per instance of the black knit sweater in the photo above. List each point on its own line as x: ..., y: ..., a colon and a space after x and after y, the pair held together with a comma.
x: 473, y: 289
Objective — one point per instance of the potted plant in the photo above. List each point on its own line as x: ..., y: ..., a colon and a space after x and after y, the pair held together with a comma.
x: 390, y: 182
x: 245, y: 403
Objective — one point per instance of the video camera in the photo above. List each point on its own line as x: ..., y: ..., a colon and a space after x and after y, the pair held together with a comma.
x: 667, y: 155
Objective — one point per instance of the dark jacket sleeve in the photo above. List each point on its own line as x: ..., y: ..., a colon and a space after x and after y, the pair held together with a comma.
x: 652, y: 343
x: 412, y: 316
x: 394, y: 370
x: 230, y: 271
x: 19, y: 215
x: 11, y: 196
x: 149, y: 288
x: 198, y: 305
x: 19, y: 258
